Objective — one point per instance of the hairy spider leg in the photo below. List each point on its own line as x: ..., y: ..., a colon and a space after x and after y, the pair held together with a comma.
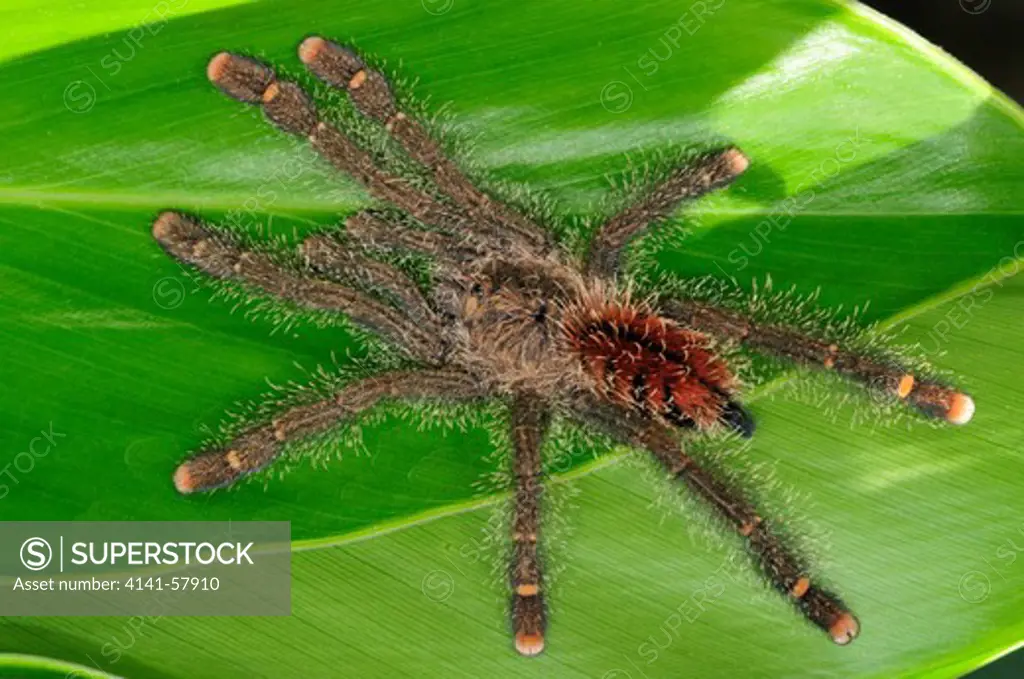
x: 529, y: 422
x: 779, y: 565
x: 704, y: 174
x: 325, y: 253
x: 931, y: 398
x: 381, y: 231
x: 376, y: 231
x: 287, y: 106
x: 372, y: 96
x: 261, y: 445
x: 216, y: 253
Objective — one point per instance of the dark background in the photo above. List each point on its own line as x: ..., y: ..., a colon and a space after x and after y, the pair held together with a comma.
x: 986, y: 40
x: 983, y: 34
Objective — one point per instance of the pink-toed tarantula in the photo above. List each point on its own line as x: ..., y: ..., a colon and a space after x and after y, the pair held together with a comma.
x: 515, y: 317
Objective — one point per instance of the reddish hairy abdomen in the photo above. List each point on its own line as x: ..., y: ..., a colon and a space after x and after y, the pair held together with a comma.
x: 652, y: 364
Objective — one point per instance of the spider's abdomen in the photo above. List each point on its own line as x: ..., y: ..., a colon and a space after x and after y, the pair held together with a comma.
x: 641, y: 360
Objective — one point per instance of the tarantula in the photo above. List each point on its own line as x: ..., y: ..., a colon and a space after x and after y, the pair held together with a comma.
x: 514, y: 316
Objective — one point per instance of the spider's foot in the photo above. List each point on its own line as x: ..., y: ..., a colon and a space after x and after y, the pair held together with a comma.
x: 330, y: 62
x: 183, y: 481
x: 736, y: 162
x: 528, y: 617
x: 249, y: 81
x: 845, y: 629
x: 938, y: 401
x: 188, y: 241
x: 239, y: 77
x: 169, y: 227
x: 826, y: 611
x: 961, y: 409
x: 181, y: 236
x: 211, y: 470
x: 529, y: 644
x: 340, y: 67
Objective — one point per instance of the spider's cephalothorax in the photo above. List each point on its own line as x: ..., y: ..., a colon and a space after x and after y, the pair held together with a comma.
x: 515, y: 317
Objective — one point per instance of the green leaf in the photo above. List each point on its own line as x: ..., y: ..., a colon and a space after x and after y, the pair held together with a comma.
x: 906, y: 172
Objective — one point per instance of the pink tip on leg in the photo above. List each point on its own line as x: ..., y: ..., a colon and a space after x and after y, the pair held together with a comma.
x: 736, y: 161
x: 183, y: 480
x: 961, y: 409
x: 163, y: 225
x: 529, y: 644
x: 218, y: 66
x: 845, y: 629
x: 310, y: 49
